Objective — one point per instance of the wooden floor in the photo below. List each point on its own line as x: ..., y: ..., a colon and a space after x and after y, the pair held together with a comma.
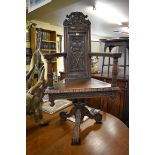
x: 109, y: 138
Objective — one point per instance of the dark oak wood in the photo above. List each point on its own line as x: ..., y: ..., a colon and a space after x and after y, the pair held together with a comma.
x: 78, y: 82
x: 109, y: 138
x: 113, y: 55
x: 81, y: 89
x: 53, y: 55
x: 116, y: 42
x: 80, y: 86
x: 77, y: 45
x: 79, y: 110
x: 120, y: 108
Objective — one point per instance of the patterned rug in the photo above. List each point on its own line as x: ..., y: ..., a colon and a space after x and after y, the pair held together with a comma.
x: 59, y: 105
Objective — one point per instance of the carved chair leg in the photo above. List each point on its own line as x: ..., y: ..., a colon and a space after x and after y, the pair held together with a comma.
x: 79, y: 110
x: 76, y: 132
x: 51, y: 101
x: 92, y: 114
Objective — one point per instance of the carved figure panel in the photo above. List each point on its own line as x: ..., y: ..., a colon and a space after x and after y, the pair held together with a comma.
x: 77, y: 54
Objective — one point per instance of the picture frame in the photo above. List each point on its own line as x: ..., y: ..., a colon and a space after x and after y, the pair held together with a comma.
x: 35, y: 4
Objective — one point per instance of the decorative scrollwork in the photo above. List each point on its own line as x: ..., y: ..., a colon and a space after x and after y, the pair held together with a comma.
x: 81, y: 95
x: 76, y: 18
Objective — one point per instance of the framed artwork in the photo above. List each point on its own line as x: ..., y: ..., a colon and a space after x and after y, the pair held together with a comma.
x: 34, y: 4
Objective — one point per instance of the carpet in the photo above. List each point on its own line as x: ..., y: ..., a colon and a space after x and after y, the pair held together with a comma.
x: 59, y: 105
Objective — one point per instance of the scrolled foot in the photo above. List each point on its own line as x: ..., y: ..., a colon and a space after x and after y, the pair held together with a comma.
x: 63, y: 115
x: 98, y: 118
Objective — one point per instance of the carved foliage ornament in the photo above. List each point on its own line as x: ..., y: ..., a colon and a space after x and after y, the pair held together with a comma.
x: 77, y: 54
x: 76, y: 18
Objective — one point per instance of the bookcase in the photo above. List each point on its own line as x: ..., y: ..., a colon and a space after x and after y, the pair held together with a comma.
x: 28, y: 50
x: 48, y: 46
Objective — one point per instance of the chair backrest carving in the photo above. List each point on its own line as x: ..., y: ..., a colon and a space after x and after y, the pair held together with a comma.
x: 77, y: 45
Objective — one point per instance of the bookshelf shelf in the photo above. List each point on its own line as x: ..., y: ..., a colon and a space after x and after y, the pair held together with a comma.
x: 49, y: 50
x: 48, y: 41
x: 54, y: 61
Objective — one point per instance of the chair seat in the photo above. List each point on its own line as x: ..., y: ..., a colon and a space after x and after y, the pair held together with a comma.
x: 81, y: 86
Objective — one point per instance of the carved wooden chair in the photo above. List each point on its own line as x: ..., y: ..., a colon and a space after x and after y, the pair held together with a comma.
x: 78, y: 83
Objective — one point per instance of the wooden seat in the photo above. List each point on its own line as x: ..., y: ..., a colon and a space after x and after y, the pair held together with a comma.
x: 85, y: 87
x: 78, y: 83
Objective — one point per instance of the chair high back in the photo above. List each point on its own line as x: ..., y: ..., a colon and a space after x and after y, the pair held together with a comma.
x: 77, y: 45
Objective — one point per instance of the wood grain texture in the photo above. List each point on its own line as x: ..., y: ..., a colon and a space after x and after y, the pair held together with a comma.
x: 110, y: 138
x: 81, y: 85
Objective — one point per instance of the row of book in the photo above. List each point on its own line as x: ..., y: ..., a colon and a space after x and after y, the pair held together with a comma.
x: 27, y: 36
x: 28, y: 56
x: 48, y: 45
x: 46, y: 36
